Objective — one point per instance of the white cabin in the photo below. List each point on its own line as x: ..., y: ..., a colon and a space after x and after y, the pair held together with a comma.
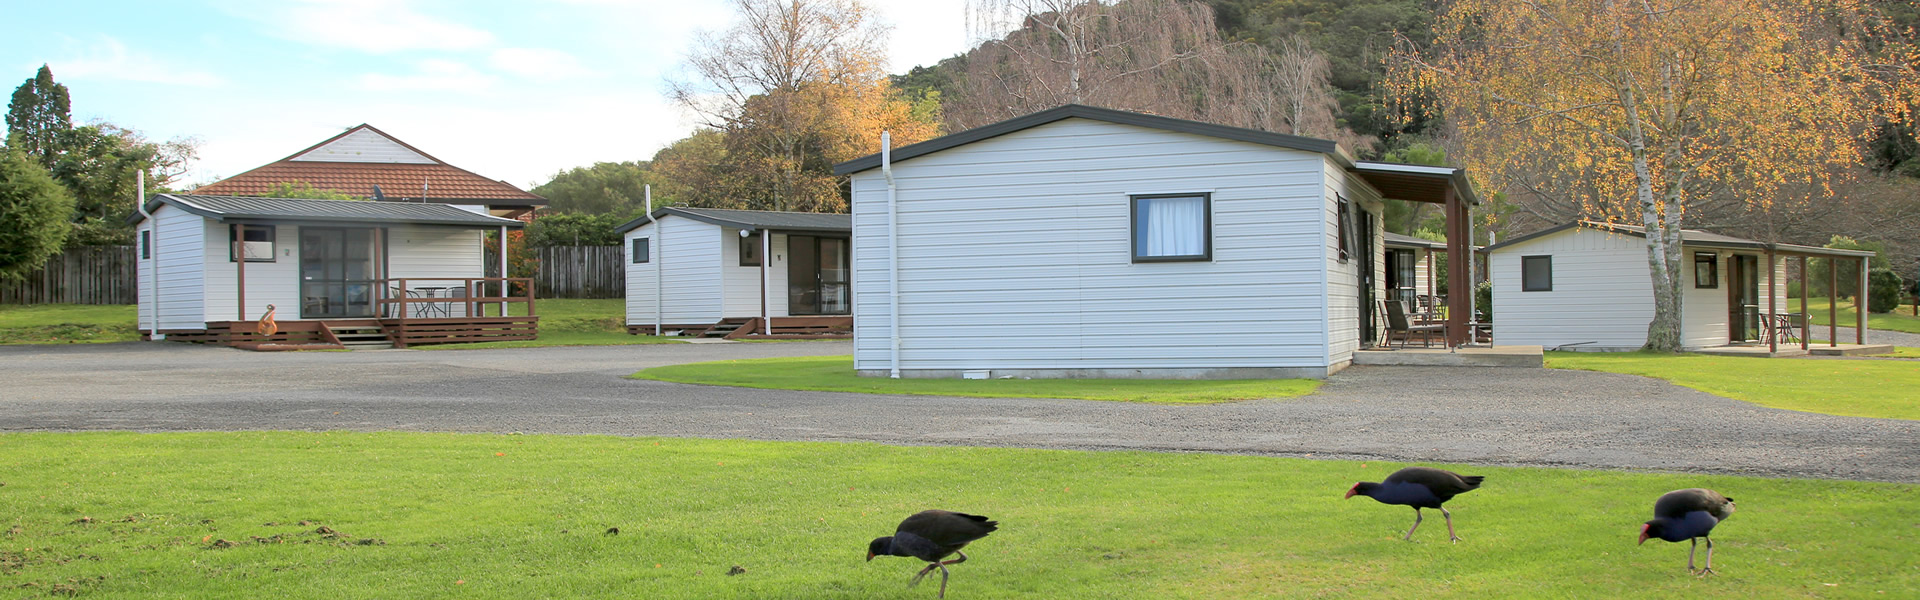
x: 1086, y: 242
x: 690, y: 269
x: 1585, y: 286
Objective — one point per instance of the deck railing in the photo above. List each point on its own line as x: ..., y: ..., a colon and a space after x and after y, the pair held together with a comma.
x: 411, y: 298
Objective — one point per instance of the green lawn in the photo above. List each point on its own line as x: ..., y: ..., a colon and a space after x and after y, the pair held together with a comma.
x: 1899, y: 320
x: 1860, y: 388
x: 835, y: 374
x: 67, y: 323
x: 1903, y: 352
x: 408, y: 515
x: 571, y: 322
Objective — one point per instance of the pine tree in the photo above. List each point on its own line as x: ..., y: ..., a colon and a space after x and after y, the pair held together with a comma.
x: 39, y: 114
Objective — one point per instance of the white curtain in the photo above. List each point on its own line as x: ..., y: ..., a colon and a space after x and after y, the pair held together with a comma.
x: 1174, y: 226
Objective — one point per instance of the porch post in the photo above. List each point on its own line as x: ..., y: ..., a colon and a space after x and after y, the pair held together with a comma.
x: 1833, y: 302
x: 1860, y: 332
x: 766, y: 279
x: 1773, y: 307
x: 1459, y: 281
x: 505, y: 287
x: 1806, y: 316
x: 240, y: 267
x: 1430, y: 283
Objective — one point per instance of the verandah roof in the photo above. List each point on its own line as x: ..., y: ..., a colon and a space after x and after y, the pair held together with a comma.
x: 294, y: 210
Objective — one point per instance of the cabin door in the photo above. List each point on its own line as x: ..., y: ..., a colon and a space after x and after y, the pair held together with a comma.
x: 817, y: 276
x: 336, y: 273
x: 1363, y: 246
x: 1743, y: 298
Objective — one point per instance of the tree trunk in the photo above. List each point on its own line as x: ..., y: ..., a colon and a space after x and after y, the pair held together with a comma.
x: 1663, y: 333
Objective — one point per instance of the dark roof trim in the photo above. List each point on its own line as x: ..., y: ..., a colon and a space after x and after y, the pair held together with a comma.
x: 1719, y: 241
x: 1456, y: 176
x: 1395, y: 240
x: 477, y: 220
x: 725, y: 222
x: 1098, y: 114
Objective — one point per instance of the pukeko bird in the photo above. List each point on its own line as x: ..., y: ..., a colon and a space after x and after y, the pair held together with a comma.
x: 1688, y: 514
x: 931, y: 535
x: 1419, y: 487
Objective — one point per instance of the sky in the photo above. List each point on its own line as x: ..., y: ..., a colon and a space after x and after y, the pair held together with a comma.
x: 512, y: 90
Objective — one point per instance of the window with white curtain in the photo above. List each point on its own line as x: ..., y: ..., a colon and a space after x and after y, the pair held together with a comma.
x: 1172, y: 227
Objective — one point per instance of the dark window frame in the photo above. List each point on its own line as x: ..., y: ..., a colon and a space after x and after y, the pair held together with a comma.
x: 272, y: 234
x: 750, y: 245
x: 1525, y: 285
x: 1344, y: 222
x: 146, y: 244
x: 642, y: 250
x: 1206, y: 228
x: 1712, y: 262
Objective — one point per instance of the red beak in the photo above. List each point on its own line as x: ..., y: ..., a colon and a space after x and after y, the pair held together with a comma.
x: 869, y: 557
x: 1352, y: 490
x: 1643, y: 535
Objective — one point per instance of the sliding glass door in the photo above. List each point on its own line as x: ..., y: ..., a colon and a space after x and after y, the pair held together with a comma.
x: 817, y: 276
x: 336, y: 273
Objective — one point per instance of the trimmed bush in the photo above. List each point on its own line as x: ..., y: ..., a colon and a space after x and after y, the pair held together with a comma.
x: 1483, y: 301
x: 1883, y: 290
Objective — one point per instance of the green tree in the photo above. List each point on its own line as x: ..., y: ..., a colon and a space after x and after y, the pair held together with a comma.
x: 576, y: 229
x: 1408, y: 217
x: 101, y: 165
x: 1820, y: 270
x: 304, y: 190
x: 40, y: 113
x: 33, y: 215
x: 601, y: 188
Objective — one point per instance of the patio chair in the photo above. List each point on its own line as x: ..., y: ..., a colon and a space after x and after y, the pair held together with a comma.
x: 1786, y: 327
x: 1397, y: 322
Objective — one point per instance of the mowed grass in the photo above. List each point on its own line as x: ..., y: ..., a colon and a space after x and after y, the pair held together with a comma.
x: 67, y: 323
x: 121, y: 515
x: 571, y: 322
x: 1898, y: 320
x: 1858, y: 388
x: 835, y: 374
x: 1903, y: 352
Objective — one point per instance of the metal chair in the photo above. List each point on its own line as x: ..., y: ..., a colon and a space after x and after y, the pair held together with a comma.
x: 1397, y: 322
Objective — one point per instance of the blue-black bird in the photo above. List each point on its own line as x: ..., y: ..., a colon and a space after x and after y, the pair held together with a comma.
x: 1688, y: 514
x: 1419, y: 487
x: 931, y: 535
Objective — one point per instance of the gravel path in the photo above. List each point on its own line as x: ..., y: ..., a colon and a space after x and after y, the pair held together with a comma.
x: 1482, y: 416
x: 1874, y: 336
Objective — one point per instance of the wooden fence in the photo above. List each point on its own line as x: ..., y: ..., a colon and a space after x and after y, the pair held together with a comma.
x: 84, y: 275
x: 576, y: 272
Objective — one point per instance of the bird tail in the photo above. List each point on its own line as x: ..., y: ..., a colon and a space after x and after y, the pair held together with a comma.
x: 1473, y: 481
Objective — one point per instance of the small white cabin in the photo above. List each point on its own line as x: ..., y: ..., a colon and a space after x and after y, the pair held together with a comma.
x: 1585, y: 286
x: 210, y: 267
x: 700, y: 271
x: 1087, y: 242
x: 1410, y: 275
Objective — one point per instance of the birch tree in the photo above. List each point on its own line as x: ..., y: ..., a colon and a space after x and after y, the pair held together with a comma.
x: 1640, y: 111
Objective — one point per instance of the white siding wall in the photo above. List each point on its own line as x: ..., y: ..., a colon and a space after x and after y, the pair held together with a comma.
x: 276, y: 283
x: 1015, y: 255
x: 1343, y: 277
x: 364, y: 146
x: 742, y: 284
x: 691, y: 255
x: 179, y: 247
x: 424, y: 252
x: 1602, y: 294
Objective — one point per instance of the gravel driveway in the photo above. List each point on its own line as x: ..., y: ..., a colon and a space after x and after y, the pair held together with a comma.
x: 1874, y: 336
x: 1470, y: 415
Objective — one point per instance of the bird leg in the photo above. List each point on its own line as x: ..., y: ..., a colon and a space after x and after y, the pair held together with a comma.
x: 943, y: 579
x: 1709, y: 569
x: 922, y: 573
x: 1416, y: 524
x: 1690, y: 551
x: 1449, y: 516
x: 963, y: 558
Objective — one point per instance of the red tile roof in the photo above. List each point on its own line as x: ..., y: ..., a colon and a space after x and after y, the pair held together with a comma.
x: 445, y: 183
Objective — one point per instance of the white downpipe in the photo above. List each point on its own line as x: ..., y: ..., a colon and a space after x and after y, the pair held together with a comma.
x: 766, y: 281
x: 660, y: 240
x: 506, y: 288
x: 893, y: 256
x: 153, y: 252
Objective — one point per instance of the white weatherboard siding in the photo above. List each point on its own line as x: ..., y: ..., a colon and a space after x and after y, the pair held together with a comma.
x: 691, y: 255
x: 276, y: 283
x: 364, y: 146
x: 1343, y: 277
x: 1602, y: 298
x: 179, y: 248
x: 1015, y: 255
x: 426, y: 252
x: 741, y: 292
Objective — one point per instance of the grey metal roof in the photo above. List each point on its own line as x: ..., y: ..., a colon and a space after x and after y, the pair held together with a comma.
x: 1395, y: 240
x: 754, y: 219
x: 1691, y: 237
x: 292, y: 210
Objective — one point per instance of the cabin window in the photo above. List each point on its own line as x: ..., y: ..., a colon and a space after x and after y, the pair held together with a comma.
x: 1706, y: 270
x: 1172, y: 227
x: 1536, y: 273
x: 1345, y: 225
x: 750, y: 250
x: 258, y: 245
x: 641, y: 251
x: 146, y: 243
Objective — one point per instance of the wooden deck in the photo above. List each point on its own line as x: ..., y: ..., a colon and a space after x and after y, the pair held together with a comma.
x: 474, y: 325
x: 1790, y: 351
x: 751, y: 328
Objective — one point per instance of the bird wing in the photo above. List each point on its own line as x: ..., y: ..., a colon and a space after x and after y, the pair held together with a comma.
x: 948, y: 528
x: 1676, y: 504
x: 1441, y: 482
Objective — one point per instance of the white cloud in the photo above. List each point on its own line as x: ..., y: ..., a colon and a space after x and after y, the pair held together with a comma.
x: 110, y: 60
x: 431, y: 75
x: 539, y: 63
x: 377, y: 26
